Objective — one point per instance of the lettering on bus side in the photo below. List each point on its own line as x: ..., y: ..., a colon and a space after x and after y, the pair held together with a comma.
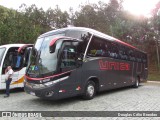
x: 107, y: 65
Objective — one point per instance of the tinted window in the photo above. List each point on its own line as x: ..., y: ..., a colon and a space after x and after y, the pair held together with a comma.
x: 144, y: 58
x: 68, y: 56
x: 113, y: 50
x: 97, y: 48
x: 85, y: 36
x: 122, y: 50
x: 131, y: 55
x: 138, y: 56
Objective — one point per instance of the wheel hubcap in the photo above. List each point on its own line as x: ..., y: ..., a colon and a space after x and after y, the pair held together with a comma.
x: 137, y: 83
x: 90, y: 90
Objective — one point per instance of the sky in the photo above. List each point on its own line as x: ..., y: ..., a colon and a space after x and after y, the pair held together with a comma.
x: 137, y: 7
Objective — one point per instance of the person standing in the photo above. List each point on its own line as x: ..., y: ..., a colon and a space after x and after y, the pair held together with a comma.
x: 8, y: 73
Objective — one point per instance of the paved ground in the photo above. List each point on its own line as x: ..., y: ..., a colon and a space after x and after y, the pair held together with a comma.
x: 145, y: 98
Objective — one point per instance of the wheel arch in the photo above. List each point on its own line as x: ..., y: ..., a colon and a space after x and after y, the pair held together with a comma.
x: 95, y: 80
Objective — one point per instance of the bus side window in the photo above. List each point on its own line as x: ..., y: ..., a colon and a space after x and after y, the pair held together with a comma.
x: 111, y: 51
x: 126, y: 53
x: 123, y: 53
x: 107, y: 49
x: 144, y: 59
x: 138, y: 56
x: 120, y: 53
x: 141, y: 57
x: 96, y: 48
x: 132, y: 56
x: 68, y: 57
x: 116, y: 51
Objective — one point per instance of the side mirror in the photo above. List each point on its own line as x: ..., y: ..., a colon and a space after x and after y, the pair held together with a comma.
x: 52, y: 46
x: 26, y: 56
x: 23, y: 55
x: 22, y: 49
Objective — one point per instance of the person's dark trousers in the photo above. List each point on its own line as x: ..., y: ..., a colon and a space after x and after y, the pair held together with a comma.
x: 8, y: 85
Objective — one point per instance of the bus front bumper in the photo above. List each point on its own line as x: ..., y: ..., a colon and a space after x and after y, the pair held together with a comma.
x: 39, y: 90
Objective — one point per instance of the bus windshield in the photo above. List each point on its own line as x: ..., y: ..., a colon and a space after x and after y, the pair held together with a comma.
x: 42, y: 62
x: 2, y: 50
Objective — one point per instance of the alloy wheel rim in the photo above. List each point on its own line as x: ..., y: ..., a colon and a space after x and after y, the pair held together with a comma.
x: 90, y: 90
x: 137, y: 83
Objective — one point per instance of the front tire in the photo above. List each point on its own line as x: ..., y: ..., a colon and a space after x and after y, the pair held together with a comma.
x: 90, y: 90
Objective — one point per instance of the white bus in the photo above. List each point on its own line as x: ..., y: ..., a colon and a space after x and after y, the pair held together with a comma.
x: 9, y: 56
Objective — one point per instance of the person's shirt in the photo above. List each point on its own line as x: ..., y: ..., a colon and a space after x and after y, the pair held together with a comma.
x: 10, y: 72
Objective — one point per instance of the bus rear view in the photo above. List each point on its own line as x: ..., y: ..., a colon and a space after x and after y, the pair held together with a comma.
x: 81, y: 61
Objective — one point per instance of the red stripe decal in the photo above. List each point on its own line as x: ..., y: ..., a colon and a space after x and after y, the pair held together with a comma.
x: 29, y: 78
x: 19, y: 50
x: 57, y: 38
x: 126, y: 44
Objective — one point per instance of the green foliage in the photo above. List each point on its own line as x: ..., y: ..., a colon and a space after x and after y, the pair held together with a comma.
x: 154, y: 76
x: 27, y: 23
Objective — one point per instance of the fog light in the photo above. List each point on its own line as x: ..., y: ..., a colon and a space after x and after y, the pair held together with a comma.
x: 49, y: 94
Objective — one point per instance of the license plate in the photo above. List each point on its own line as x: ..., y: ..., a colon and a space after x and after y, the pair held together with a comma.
x: 32, y: 93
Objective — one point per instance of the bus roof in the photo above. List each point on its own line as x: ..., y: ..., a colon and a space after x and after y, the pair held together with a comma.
x: 92, y: 31
x: 58, y: 31
x: 11, y: 45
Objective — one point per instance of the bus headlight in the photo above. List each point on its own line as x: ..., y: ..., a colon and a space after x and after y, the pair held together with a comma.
x: 55, y: 81
x: 37, y: 86
x: 49, y: 83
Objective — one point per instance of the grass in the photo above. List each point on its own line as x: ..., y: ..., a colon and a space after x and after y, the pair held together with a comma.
x: 154, y: 76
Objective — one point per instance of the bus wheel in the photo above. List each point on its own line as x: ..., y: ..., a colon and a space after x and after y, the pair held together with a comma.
x: 136, y: 85
x: 90, y: 90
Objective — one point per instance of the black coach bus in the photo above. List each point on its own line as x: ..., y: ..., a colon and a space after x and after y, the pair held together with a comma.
x: 81, y: 61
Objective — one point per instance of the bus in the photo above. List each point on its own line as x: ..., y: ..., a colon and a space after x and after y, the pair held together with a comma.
x: 9, y: 56
x: 78, y: 61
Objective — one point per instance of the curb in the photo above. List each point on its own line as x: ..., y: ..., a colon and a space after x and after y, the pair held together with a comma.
x: 153, y: 81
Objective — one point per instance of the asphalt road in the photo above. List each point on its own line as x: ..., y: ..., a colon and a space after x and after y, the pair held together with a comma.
x: 145, y: 98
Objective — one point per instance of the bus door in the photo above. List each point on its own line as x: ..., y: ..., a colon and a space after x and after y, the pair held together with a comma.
x: 22, y: 61
x: 68, y: 64
x: 10, y: 60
